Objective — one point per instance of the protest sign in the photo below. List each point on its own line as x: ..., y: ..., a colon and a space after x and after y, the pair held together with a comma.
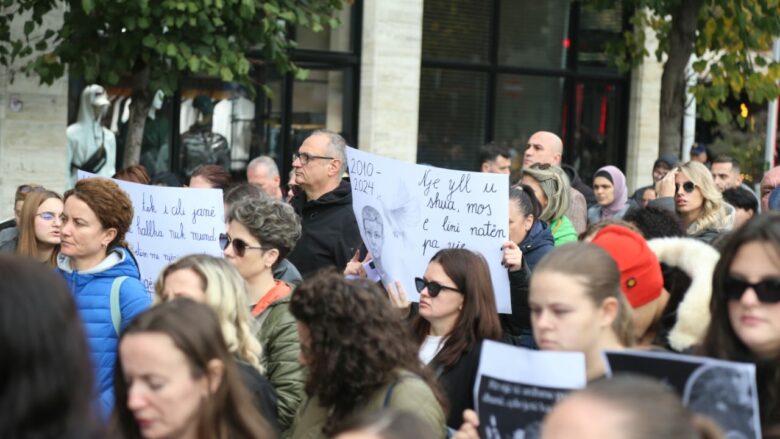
x: 725, y: 391
x: 171, y: 222
x: 408, y: 212
x: 516, y: 388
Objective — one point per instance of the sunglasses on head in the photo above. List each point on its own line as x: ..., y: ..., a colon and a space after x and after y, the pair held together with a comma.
x: 688, y: 187
x: 767, y: 291
x: 239, y: 245
x: 434, y: 288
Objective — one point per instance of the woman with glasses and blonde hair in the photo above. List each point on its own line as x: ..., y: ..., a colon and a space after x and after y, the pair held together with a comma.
x: 551, y: 187
x: 260, y: 233
x: 690, y: 191
x: 39, y: 227
x: 217, y: 283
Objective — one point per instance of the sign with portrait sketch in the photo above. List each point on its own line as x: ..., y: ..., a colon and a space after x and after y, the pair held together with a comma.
x: 724, y: 391
x: 516, y: 388
x: 408, y: 212
x: 171, y: 222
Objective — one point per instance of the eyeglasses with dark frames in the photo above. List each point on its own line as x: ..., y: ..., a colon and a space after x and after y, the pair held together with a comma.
x: 305, y: 157
x: 434, y: 288
x: 688, y: 187
x: 239, y: 245
x: 767, y: 290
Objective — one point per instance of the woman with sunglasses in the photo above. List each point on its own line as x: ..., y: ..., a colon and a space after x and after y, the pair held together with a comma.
x: 691, y: 192
x: 39, y: 227
x: 214, y: 281
x: 95, y: 262
x: 260, y: 233
x: 551, y: 187
x: 745, y: 308
x: 457, y: 311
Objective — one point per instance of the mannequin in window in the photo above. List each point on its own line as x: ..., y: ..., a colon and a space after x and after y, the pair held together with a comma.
x: 154, y: 146
x: 201, y: 146
x: 91, y: 146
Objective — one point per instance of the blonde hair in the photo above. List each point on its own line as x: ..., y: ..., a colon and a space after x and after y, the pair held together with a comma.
x: 599, y: 275
x: 555, y: 185
x: 226, y: 294
x: 713, y: 212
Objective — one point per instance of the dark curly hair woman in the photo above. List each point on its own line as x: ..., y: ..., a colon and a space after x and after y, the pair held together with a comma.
x: 359, y: 356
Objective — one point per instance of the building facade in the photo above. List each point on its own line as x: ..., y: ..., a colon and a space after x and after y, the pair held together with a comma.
x: 428, y: 81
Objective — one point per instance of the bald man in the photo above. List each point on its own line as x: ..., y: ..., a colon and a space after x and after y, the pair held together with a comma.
x: 769, y: 182
x: 545, y: 147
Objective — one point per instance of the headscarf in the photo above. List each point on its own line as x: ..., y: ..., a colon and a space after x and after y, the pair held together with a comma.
x: 620, y: 191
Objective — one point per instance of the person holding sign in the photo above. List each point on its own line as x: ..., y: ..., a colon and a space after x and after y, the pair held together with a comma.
x: 330, y: 232
x: 745, y: 307
x: 102, y: 273
x: 261, y: 233
x: 551, y: 187
x: 576, y: 305
x: 457, y: 312
x: 214, y: 281
x: 359, y: 359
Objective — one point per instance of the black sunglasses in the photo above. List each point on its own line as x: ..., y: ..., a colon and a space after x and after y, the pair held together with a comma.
x: 239, y: 245
x: 767, y: 291
x: 434, y: 288
x: 688, y: 187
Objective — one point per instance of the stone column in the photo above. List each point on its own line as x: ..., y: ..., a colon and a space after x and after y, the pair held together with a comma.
x: 33, y: 119
x: 644, y: 119
x: 390, y: 78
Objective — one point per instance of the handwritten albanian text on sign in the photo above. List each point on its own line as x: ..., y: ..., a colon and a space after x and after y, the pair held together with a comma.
x: 169, y: 223
x: 407, y: 212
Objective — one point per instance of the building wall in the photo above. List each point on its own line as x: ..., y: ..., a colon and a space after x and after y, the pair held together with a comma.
x: 32, y: 140
x: 390, y: 78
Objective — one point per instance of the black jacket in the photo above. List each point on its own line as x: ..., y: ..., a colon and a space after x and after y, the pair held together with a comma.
x: 263, y: 393
x: 538, y: 242
x: 330, y: 233
x: 458, y: 384
x: 519, y: 322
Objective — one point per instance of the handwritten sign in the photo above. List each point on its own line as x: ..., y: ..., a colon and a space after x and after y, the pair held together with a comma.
x: 515, y: 387
x: 169, y: 223
x: 725, y: 391
x: 407, y: 212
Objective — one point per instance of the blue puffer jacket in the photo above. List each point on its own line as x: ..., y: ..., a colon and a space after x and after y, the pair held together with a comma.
x: 537, y: 243
x: 91, y: 290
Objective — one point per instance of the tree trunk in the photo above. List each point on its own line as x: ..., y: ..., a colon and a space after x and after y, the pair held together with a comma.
x: 139, y: 110
x: 681, y: 41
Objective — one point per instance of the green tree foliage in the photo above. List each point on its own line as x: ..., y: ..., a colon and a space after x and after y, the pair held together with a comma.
x: 731, y: 39
x: 156, y: 42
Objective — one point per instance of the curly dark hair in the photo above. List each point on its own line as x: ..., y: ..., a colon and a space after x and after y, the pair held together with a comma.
x: 347, y: 365
x: 655, y: 222
x: 111, y: 205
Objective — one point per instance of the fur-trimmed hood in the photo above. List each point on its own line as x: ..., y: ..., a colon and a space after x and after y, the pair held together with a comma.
x: 697, y: 260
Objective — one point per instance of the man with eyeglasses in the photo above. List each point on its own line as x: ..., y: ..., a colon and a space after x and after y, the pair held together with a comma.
x: 547, y: 148
x: 330, y: 233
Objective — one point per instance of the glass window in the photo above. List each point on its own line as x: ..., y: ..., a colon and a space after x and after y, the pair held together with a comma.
x: 456, y: 30
x: 318, y: 103
x: 534, y: 34
x: 452, y: 115
x: 596, y: 28
x: 596, y: 137
x: 337, y: 40
x: 524, y: 105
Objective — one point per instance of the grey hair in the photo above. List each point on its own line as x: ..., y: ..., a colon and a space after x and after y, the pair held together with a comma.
x: 555, y: 184
x: 337, y: 147
x: 268, y: 162
x: 243, y: 191
x: 271, y: 222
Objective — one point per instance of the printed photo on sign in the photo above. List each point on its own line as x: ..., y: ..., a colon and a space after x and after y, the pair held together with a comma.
x: 407, y: 212
x: 724, y: 391
x: 169, y: 223
x: 517, y: 387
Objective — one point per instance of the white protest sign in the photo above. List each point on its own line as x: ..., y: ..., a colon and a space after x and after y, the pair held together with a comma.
x: 408, y: 212
x: 724, y: 391
x: 516, y: 387
x: 169, y: 223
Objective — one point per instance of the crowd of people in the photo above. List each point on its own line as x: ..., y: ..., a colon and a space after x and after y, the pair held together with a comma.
x: 288, y: 335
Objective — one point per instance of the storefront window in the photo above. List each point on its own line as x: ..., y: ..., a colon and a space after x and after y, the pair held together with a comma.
x: 452, y: 106
x: 456, y: 30
x: 534, y: 34
x: 328, y: 39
